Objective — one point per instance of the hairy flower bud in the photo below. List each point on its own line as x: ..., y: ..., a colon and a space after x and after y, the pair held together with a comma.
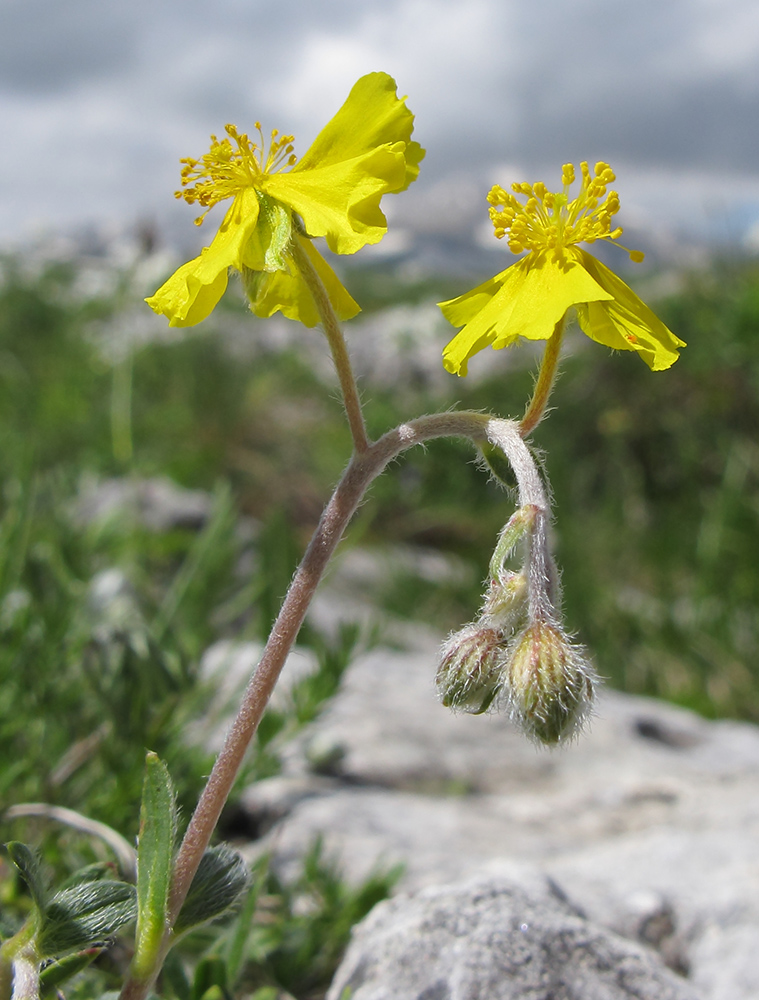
x: 505, y: 605
x: 471, y: 669
x: 549, y: 683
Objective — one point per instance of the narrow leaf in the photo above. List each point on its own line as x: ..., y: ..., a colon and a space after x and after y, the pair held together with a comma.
x: 158, y: 818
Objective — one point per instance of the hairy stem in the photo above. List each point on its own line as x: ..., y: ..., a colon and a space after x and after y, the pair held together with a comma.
x: 361, y: 471
x: 543, y: 584
x: 536, y: 408
x: 336, y: 341
x: 26, y: 975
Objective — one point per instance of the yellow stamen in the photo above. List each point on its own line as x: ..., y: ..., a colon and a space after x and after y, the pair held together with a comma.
x: 550, y: 219
x: 227, y: 169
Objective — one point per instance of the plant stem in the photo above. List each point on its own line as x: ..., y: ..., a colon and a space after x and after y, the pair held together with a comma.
x: 362, y: 469
x: 536, y: 408
x: 543, y: 582
x: 334, y: 335
x: 360, y: 472
x: 26, y: 975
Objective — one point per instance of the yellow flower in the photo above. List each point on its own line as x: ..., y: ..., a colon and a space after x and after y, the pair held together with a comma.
x: 333, y: 191
x: 532, y: 296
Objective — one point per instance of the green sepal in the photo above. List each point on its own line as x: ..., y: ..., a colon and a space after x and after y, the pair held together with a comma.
x: 519, y: 524
x: 269, y: 246
x: 155, y: 850
x: 83, y: 915
x: 499, y: 465
x: 221, y: 879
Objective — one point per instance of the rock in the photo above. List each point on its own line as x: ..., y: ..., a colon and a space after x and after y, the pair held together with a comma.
x: 226, y: 667
x: 649, y: 822
x: 158, y: 503
x: 496, y: 938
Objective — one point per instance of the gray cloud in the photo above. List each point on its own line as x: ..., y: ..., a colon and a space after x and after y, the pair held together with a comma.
x: 45, y: 47
x: 108, y: 95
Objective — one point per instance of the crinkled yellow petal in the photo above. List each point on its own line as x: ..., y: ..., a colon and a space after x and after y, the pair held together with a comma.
x: 364, y: 152
x: 527, y: 300
x: 287, y: 292
x: 479, y: 310
x: 372, y: 116
x: 192, y: 292
x: 341, y: 201
x: 626, y: 323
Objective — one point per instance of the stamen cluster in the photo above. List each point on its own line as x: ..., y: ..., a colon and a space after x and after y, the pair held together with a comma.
x: 227, y: 169
x: 551, y: 219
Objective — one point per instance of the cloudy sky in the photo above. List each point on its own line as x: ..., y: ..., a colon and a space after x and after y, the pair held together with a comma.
x: 100, y: 98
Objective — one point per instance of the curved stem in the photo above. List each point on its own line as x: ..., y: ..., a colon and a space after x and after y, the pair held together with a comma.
x: 536, y: 408
x: 543, y: 584
x: 336, y: 341
x: 361, y: 471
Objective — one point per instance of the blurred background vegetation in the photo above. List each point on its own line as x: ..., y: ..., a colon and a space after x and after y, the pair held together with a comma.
x: 104, y: 617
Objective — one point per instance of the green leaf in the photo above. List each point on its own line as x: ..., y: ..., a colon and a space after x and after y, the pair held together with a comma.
x: 221, y: 879
x: 58, y: 972
x: 84, y: 915
x: 28, y: 864
x: 91, y: 873
x: 158, y: 822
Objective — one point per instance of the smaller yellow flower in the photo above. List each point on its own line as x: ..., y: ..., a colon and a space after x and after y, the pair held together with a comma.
x: 333, y: 191
x: 531, y: 297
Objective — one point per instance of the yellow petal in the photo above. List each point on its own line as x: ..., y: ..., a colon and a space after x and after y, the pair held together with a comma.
x: 341, y: 201
x: 479, y: 310
x: 193, y: 291
x: 626, y: 323
x: 527, y: 300
x: 285, y: 292
x: 372, y: 116
x: 364, y: 152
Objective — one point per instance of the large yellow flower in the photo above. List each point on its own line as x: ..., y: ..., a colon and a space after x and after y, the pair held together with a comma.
x: 333, y: 191
x: 532, y: 296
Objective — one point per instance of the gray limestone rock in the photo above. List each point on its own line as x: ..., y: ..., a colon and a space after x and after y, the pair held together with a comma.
x: 649, y: 822
x: 496, y: 939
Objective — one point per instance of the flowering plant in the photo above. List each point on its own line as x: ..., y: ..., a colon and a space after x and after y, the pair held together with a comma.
x: 517, y: 655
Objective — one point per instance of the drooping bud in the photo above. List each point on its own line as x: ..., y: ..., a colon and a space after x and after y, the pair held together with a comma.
x: 471, y: 669
x: 505, y: 604
x: 549, y: 683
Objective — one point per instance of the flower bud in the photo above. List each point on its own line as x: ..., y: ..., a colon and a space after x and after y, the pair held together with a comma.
x: 505, y: 604
x: 471, y: 669
x: 549, y: 683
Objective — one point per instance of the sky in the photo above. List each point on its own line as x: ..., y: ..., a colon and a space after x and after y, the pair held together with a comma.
x: 100, y: 98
